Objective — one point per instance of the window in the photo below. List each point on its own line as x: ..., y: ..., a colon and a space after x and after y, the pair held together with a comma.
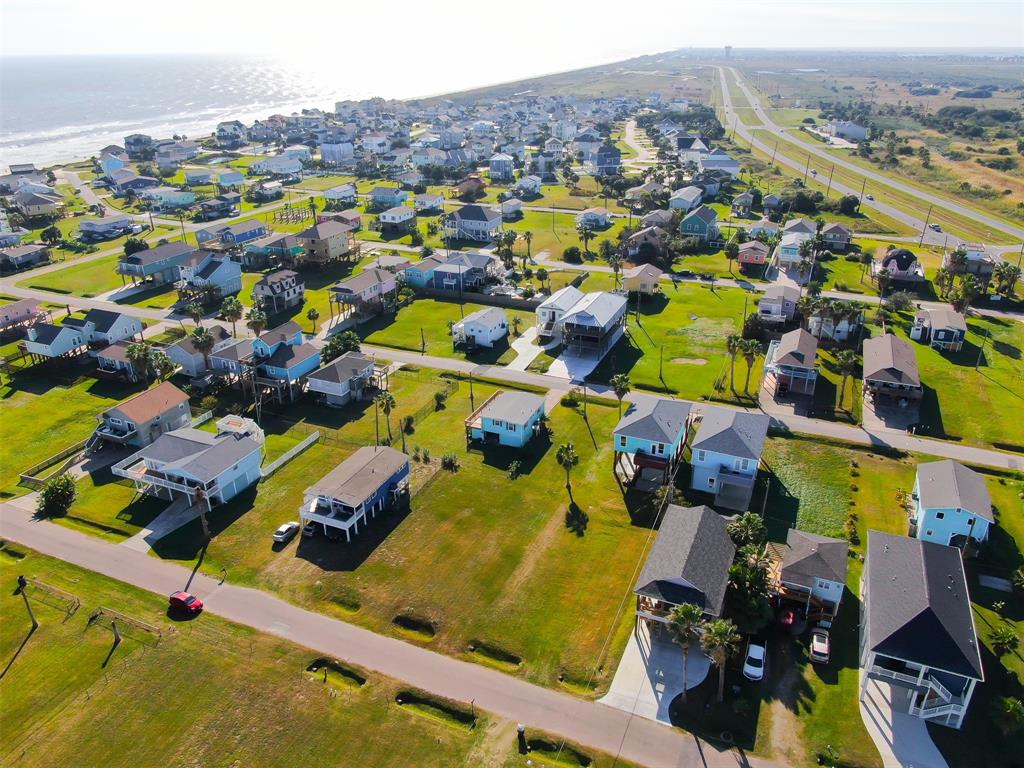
x: 711, y: 482
x: 940, y: 515
x: 741, y: 465
x: 929, y: 532
x: 661, y: 448
x: 701, y: 455
x: 622, y: 441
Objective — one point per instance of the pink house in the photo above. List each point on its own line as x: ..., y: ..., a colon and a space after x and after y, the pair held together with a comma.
x: 20, y: 313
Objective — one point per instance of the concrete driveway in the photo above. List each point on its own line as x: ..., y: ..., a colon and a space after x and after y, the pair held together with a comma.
x: 902, y: 740
x: 650, y: 675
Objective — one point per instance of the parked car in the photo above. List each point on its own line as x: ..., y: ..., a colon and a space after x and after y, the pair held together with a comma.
x: 286, y: 532
x: 753, y: 664
x: 183, y: 601
x: 309, y: 530
x: 870, y: 197
x: 821, y: 646
x: 935, y: 227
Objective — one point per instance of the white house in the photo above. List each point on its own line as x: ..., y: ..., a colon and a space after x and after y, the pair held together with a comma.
x: 812, y: 571
x: 401, y: 217
x: 528, y: 186
x: 551, y: 310
x: 846, y: 129
x: 101, y: 327
x: 49, y: 340
x: 429, y: 201
x: 481, y: 329
x: 206, y: 269
x: 778, y: 304
x: 279, y: 165
x: 686, y: 198
x: 343, y: 193
x: 337, y: 154
x: 726, y: 454
x: 512, y: 208
x: 473, y: 222
x: 594, y: 218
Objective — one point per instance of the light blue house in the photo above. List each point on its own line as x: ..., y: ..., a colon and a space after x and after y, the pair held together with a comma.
x: 650, y: 438
x: 388, y: 197
x: 282, y: 359
x: 169, y: 198
x: 372, y: 480
x: 952, y: 505
x: 230, y: 178
x: 726, y: 453
x: 421, y: 274
x: 198, y: 176
x: 506, y: 418
x: 233, y: 234
x: 49, y: 340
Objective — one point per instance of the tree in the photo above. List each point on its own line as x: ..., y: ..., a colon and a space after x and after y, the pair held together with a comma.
x: 719, y: 642
x: 51, y: 235
x: 733, y: 345
x: 620, y: 386
x: 567, y: 459
x: 232, y: 310
x: 162, y: 365
x: 57, y: 496
x: 517, y: 323
x: 195, y: 311
x: 340, y: 343
x: 1006, y: 276
x: 750, y: 349
x: 685, y: 622
x: 202, y: 339
x: 586, y: 235
x: 257, y: 321
x: 313, y: 315
x: 612, y: 257
x: 134, y: 245
x: 732, y: 252
x: 386, y: 402
x: 1004, y: 640
x: 968, y: 290
x: 139, y: 355
x: 943, y: 281
x: 528, y: 237
x: 846, y: 363
x: 1010, y: 715
x: 542, y: 276
x: 746, y: 529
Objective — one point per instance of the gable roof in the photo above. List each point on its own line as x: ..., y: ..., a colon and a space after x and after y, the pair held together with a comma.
x: 564, y: 298
x: 809, y: 557
x: 102, y: 319
x: 918, y: 606
x: 283, y: 332
x: 357, y: 478
x: 690, y: 559
x: 655, y: 419
x: 159, y: 253
x: 219, y: 334
x: 782, y: 292
x: 797, y: 348
x: 732, y: 433
x: 342, y: 368
x: 891, y: 359
x: 362, y: 281
x: 944, y: 317
x: 475, y: 212
x: 645, y: 270
x: 151, y: 403
x: 596, y: 308
x: 325, y: 229
x: 489, y: 316
x: 703, y: 212
x: 199, y: 454
x: 947, y: 484
x: 513, y: 407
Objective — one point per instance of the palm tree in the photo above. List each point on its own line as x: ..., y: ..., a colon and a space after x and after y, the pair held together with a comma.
x: 968, y: 291
x: 542, y: 276
x: 162, y: 365
x: 620, y: 386
x: 586, y: 235
x: 528, y: 237
x: 732, y: 345
x: 257, y: 320
x: 567, y: 459
x: 685, y: 622
x: 750, y: 349
x: 203, y: 341
x: 746, y: 529
x: 1006, y: 276
x: 195, y: 311
x: 719, y: 641
x: 958, y: 261
x: 386, y: 401
x: 313, y: 315
x: 517, y: 323
x: 232, y: 310
x: 139, y: 354
x: 846, y: 362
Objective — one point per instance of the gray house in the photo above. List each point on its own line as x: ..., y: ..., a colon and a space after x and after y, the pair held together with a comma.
x: 159, y: 264
x: 140, y: 420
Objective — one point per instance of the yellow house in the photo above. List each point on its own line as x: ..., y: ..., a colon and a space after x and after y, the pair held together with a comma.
x: 642, y: 279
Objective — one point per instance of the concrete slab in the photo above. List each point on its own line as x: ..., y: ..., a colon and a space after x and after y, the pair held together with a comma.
x: 526, y: 350
x: 574, y: 367
x: 177, y: 514
x: 650, y: 675
x: 902, y: 740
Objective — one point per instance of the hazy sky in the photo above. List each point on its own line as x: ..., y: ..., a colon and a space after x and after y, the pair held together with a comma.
x: 502, y: 39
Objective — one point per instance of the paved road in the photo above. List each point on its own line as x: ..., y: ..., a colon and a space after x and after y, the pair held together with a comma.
x: 645, y: 156
x: 949, y: 204
x: 588, y: 723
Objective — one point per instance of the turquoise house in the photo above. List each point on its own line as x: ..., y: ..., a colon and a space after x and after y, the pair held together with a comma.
x: 510, y: 419
x: 952, y: 505
x: 650, y: 438
x: 701, y: 222
x: 282, y: 358
x: 421, y: 274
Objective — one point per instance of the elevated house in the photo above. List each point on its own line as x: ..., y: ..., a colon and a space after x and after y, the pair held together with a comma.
x: 594, y: 323
x: 280, y: 291
x: 790, y: 366
x: 18, y: 257
x: 51, y: 341
x: 465, y: 271
x: 917, y: 628
x: 101, y: 327
x: 207, y: 277
x: 977, y: 260
x: 644, y: 279
x: 528, y: 186
x: 753, y: 254
x: 220, y: 206
x: 810, y: 570
x: 24, y: 312
x: 141, y: 419
x: 232, y: 235
x: 742, y: 203
x: 483, y: 328
x: 509, y: 419
x: 344, y: 379
x: 726, y: 454
x: 202, y: 468
x: 325, y: 243
x: 688, y: 564
x: 230, y: 360
x: 274, y: 249
x: 472, y: 222
x: 372, y: 480
x: 650, y: 438
x: 158, y: 264
x: 501, y: 167
x: 788, y: 254
x: 594, y: 218
x: 113, y: 360
x: 890, y: 372
x: 702, y: 223
x: 552, y: 309
x: 951, y: 505
x: 400, y: 219
x: 837, y: 237
x: 192, y: 362
x: 511, y: 209
x: 647, y: 242
x: 607, y: 160
x: 420, y: 274
x: 369, y: 293
x: 941, y: 328
x: 657, y: 218
x: 281, y: 359
x: 107, y: 228
x: 763, y: 227
x: 165, y: 199
x: 343, y: 193
x: 428, y: 201
x: 686, y: 199
x: 387, y: 197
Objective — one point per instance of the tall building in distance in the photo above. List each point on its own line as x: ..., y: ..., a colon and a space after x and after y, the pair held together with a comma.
x: 728, y: 51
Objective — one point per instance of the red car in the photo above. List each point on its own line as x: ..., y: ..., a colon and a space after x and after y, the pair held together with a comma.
x: 183, y: 601
x: 786, y: 617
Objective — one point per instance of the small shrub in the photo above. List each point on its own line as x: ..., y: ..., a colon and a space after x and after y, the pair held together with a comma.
x: 407, y: 424
x: 439, y: 399
x: 513, y: 470
x: 426, y: 455
x: 853, y: 487
x: 571, y: 400
x: 416, y: 453
x: 208, y: 403
x: 57, y: 496
x: 450, y: 462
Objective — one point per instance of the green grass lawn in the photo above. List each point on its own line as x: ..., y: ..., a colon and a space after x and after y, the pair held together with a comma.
x: 65, y: 686
x: 88, y: 280
x: 426, y: 320
x: 554, y: 232
x: 41, y: 415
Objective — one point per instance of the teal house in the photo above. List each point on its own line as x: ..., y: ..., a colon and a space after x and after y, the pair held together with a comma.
x: 951, y: 505
x: 702, y: 223
x: 650, y: 438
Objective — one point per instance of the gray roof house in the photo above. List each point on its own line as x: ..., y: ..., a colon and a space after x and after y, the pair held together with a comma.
x: 726, y: 454
x: 812, y: 569
x: 342, y: 379
x: 688, y: 563
x: 650, y: 438
x: 890, y: 370
x: 918, y: 630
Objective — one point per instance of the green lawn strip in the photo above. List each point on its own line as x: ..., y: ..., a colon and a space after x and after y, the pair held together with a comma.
x: 554, y: 232
x: 87, y: 280
x: 60, y: 697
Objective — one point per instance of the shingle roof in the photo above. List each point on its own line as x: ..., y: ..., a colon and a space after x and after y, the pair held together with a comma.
x: 644, y: 270
x: 949, y: 484
x: 904, y: 259
x: 356, y: 479
x: 704, y: 213
x: 891, y: 359
x: 199, y: 454
x: 513, y: 407
x: 281, y: 333
x: 288, y: 355
x: 476, y: 213
x: 797, y: 348
x: 655, y: 419
x: 690, y: 559
x: 733, y: 433
x: 943, y: 317
x: 219, y: 334
x: 362, y: 281
x: 809, y: 556
x: 159, y: 253
x: 325, y: 229
x: 343, y: 368
x: 151, y: 403
x: 918, y: 606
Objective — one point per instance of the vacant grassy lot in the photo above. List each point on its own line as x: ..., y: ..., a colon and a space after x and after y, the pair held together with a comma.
x: 498, y: 567
x: 41, y: 414
x: 554, y: 232
x: 88, y: 280
x: 423, y: 327
x: 61, y: 692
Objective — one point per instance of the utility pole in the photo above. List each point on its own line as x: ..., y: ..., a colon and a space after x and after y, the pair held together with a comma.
x: 924, y: 229
x: 829, y: 187
x: 1021, y: 256
x: 862, y: 187
x: 981, y: 351
x: 22, y: 587
x: 376, y: 422
x: 807, y: 167
x: 776, y: 149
